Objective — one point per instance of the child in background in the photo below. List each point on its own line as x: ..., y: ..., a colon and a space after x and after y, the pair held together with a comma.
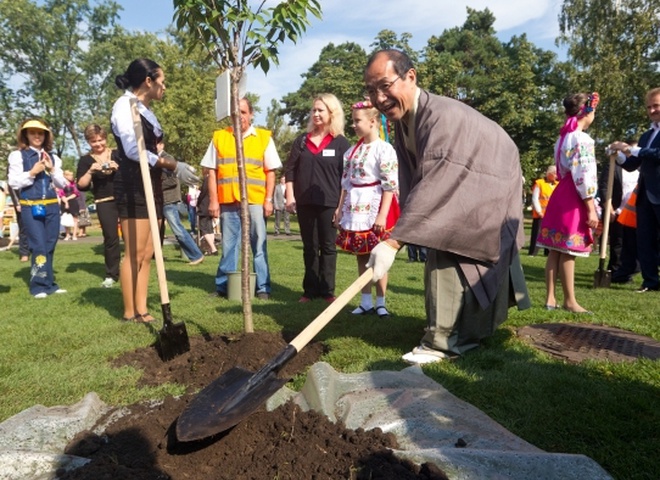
x: 69, y: 195
x: 368, y: 208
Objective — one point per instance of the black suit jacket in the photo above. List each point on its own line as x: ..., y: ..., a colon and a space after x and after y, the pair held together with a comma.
x: 648, y: 162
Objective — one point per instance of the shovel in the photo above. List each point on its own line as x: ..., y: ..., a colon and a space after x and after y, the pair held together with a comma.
x: 603, y: 277
x: 173, y: 337
x: 238, y: 392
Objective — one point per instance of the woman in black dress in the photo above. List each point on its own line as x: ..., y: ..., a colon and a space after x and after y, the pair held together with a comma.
x: 96, y: 171
x: 143, y: 81
x: 313, y: 185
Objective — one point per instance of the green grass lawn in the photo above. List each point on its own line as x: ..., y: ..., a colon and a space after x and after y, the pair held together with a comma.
x: 57, y: 349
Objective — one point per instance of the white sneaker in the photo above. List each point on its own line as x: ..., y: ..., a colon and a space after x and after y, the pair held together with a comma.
x: 422, y: 356
x: 60, y: 290
x: 107, y: 283
x: 41, y: 295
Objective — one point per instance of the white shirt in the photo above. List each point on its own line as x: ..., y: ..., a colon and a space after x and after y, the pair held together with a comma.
x: 271, y: 157
x: 19, y: 178
x: 121, y: 122
x: 628, y: 184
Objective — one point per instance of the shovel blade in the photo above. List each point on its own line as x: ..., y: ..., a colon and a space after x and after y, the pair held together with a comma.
x: 172, y: 338
x: 602, y: 278
x: 225, y: 402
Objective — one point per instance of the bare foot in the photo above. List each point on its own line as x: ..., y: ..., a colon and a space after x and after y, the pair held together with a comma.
x: 575, y: 308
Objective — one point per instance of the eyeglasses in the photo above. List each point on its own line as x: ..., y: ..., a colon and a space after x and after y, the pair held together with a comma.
x: 382, y: 88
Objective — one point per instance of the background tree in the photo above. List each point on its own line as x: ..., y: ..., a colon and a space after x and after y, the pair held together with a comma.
x: 516, y: 84
x: 338, y: 71
x: 188, y: 106
x: 109, y: 56
x: 283, y: 133
x: 388, y: 39
x: 614, y: 45
x: 46, y: 48
x: 237, y: 35
x: 9, y: 122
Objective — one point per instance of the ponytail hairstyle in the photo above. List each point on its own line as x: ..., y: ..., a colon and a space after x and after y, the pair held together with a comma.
x: 137, y: 72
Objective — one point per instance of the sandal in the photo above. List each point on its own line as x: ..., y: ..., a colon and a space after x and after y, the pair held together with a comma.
x: 382, y: 312
x: 144, y: 318
x: 133, y: 319
x: 360, y: 310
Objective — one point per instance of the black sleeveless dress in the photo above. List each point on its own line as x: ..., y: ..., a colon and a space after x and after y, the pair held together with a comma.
x: 128, y: 185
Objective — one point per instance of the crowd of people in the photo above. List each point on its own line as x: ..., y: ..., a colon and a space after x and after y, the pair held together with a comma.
x: 369, y: 199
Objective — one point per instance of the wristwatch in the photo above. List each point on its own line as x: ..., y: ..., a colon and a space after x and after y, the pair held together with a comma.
x: 626, y: 151
x: 269, y: 200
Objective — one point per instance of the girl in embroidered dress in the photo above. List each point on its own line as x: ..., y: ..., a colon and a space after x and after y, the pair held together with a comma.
x: 368, y: 208
x: 571, y: 213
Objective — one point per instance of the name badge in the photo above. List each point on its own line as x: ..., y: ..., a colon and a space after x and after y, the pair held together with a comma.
x: 329, y: 153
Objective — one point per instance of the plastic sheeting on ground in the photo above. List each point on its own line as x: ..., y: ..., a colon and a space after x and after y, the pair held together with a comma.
x: 432, y: 425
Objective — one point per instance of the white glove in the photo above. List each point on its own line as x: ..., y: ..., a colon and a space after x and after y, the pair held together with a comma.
x: 381, y: 259
x: 621, y: 158
x: 186, y: 174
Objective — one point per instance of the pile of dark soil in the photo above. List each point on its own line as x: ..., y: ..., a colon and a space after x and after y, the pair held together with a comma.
x: 286, y: 443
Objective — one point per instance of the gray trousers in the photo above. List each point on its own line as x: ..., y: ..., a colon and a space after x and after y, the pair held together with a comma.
x: 456, y: 322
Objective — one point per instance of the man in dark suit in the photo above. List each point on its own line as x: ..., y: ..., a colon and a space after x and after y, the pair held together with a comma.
x: 646, y: 157
x: 615, y: 241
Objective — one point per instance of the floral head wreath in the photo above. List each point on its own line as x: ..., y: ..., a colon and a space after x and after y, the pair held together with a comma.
x: 590, y: 106
x: 361, y: 105
x: 384, y: 126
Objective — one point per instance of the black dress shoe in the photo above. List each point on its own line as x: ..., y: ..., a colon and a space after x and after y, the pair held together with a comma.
x: 645, y: 289
x: 622, y: 280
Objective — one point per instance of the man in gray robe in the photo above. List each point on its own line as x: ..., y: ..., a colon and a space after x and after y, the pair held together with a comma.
x: 461, y: 197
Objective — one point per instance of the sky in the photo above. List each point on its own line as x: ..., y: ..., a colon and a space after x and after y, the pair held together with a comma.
x: 359, y: 22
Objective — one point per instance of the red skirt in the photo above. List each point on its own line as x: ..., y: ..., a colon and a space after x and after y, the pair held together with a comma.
x: 362, y: 243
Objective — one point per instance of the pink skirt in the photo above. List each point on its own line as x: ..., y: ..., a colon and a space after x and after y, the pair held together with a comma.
x: 564, y: 226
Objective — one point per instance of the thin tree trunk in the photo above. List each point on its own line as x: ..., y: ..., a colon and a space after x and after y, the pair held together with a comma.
x: 246, y: 294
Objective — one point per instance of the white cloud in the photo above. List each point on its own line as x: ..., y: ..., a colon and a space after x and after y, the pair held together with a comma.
x: 360, y: 21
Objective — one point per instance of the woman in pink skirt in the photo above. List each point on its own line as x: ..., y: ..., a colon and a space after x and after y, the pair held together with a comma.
x: 571, y: 213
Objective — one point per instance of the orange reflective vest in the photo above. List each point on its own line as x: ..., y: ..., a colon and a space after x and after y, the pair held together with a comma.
x: 254, y: 147
x: 545, y: 190
x: 628, y: 215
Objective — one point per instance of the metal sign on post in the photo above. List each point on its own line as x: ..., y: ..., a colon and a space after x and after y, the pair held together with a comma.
x: 223, y: 93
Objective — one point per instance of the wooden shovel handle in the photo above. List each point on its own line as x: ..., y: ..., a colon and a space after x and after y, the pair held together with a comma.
x: 607, y: 208
x: 333, y: 309
x: 151, y: 204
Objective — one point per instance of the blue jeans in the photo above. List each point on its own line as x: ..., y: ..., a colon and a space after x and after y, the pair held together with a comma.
x: 192, y: 218
x: 230, y: 223
x: 42, y: 235
x: 188, y: 245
